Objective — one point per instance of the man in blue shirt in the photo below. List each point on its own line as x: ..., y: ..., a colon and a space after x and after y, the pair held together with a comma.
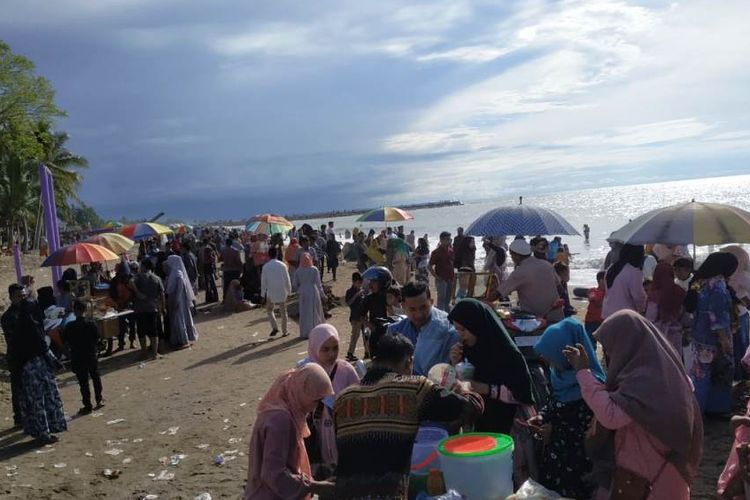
x: 427, y: 327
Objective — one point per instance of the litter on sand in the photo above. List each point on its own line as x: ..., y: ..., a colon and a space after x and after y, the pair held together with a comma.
x: 203, y: 496
x: 113, y: 451
x: 234, y: 440
x: 164, y: 476
x: 243, y: 405
x: 115, y: 421
x: 61, y: 465
x: 203, y: 446
x: 176, y: 459
x: 89, y: 454
x: 127, y: 460
x: 111, y: 474
x: 97, y: 414
x: 138, y: 440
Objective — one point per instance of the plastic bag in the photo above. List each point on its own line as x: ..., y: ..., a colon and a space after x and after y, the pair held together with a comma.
x: 531, y: 490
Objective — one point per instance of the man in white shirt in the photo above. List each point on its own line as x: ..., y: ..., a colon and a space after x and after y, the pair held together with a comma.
x: 275, y: 286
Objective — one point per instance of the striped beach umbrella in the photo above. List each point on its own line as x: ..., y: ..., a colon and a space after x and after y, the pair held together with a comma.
x: 118, y: 243
x: 268, y: 224
x: 144, y: 230
x: 524, y: 220
x: 385, y: 214
x: 79, y: 253
x: 694, y: 222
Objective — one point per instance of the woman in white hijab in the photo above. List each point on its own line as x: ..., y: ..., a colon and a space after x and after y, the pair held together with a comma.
x: 180, y: 298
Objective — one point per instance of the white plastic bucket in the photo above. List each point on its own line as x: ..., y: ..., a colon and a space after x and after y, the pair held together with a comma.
x: 478, y: 465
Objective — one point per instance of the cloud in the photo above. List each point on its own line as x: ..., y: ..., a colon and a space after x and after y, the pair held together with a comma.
x: 387, y: 100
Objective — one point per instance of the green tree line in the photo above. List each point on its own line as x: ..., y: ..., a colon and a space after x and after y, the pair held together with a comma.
x: 28, y: 137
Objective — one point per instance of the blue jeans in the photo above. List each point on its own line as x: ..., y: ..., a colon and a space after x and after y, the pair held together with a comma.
x: 444, y: 292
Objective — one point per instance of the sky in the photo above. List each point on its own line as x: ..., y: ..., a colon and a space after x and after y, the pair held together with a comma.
x: 229, y: 108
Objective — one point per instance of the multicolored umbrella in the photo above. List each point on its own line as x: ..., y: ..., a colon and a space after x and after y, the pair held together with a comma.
x: 268, y: 224
x: 385, y: 214
x: 181, y: 228
x: 524, y: 220
x: 144, y: 230
x: 117, y: 243
x: 79, y: 253
x: 694, y: 222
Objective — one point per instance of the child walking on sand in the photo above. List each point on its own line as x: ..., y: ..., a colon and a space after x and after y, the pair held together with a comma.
x: 82, y: 337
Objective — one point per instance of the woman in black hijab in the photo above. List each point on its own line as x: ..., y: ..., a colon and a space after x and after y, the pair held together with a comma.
x: 629, y: 254
x: 499, y: 365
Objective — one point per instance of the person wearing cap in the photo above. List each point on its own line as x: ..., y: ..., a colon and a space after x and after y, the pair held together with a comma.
x: 535, y: 282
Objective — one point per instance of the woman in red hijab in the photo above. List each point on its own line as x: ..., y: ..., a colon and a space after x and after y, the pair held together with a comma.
x: 664, y: 306
x: 279, y: 468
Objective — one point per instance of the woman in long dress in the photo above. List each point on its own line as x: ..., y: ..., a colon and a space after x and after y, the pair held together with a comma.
x: 400, y: 262
x: 180, y: 299
x: 39, y: 407
x: 310, y: 291
x: 710, y: 301
x: 648, y: 423
x: 664, y: 307
x: 564, y: 464
x: 740, y: 283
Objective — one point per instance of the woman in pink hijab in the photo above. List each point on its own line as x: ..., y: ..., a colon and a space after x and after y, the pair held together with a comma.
x: 279, y: 468
x: 323, y: 349
x: 648, y: 425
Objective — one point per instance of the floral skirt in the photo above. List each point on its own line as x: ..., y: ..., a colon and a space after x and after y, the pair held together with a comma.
x: 41, y: 406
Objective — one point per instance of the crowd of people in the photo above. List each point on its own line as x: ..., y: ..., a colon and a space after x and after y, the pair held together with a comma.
x: 626, y: 418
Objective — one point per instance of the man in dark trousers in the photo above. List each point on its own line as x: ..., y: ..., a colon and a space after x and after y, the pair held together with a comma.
x: 82, y: 336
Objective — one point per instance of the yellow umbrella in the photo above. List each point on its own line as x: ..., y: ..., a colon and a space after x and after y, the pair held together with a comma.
x: 117, y: 243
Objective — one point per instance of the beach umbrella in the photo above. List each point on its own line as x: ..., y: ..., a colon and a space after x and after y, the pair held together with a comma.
x: 79, y: 253
x: 268, y: 224
x: 143, y: 230
x: 117, y: 243
x: 524, y: 220
x: 180, y: 228
x: 385, y: 214
x: 693, y: 222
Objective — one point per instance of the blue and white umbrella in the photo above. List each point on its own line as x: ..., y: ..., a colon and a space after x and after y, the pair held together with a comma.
x: 522, y: 220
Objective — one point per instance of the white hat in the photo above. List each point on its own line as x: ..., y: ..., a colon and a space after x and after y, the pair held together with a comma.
x: 520, y: 247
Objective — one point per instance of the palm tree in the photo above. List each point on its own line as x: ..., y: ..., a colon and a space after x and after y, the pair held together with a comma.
x: 64, y: 166
x: 19, y: 195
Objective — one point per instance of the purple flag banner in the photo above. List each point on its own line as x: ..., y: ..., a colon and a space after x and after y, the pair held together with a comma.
x: 50, y: 217
x: 17, y: 262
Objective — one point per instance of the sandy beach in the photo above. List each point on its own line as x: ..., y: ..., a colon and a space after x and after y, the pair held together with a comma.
x: 198, y: 403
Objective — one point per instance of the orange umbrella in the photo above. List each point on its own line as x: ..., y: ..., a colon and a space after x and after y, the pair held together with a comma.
x: 79, y: 253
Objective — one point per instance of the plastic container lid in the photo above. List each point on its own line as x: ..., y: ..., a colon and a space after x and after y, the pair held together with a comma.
x: 475, y: 444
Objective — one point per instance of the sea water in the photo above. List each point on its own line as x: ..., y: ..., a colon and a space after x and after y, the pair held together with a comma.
x: 604, y: 209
